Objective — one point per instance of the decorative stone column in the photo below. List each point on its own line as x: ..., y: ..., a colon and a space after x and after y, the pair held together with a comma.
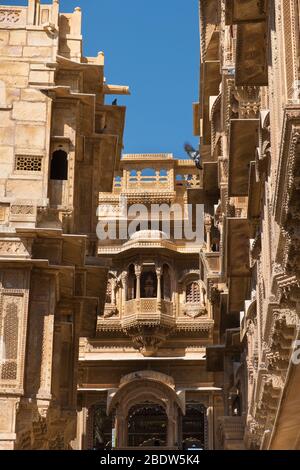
x: 121, y: 430
x: 124, y: 290
x: 208, y: 224
x: 158, y: 274
x: 80, y: 430
x: 138, y: 273
x: 172, y: 437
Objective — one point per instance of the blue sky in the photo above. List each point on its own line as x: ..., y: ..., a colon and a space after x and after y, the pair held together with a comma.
x: 152, y: 46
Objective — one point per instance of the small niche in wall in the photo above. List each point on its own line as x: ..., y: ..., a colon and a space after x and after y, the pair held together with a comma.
x: 59, y: 165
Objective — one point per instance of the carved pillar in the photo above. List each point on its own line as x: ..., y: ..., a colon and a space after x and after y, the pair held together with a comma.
x: 158, y: 274
x: 79, y: 444
x: 208, y: 224
x: 172, y: 438
x: 138, y: 273
x: 121, y: 430
x: 124, y: 290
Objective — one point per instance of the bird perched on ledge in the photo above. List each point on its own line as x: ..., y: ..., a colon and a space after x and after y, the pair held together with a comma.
x: 194, y: 155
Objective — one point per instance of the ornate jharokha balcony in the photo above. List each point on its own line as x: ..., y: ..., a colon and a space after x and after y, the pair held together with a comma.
x: 148, y: 322
x: 148, y: 311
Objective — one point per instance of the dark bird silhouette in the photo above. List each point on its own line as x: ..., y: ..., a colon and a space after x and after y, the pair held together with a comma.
x: 115, y: 102
x: 193, y: 154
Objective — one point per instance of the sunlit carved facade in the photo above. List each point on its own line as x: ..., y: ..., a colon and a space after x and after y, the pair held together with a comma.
x: 248, y: 118
x: 59, y: 146
x: 148, y: 339
x: 146, y: 366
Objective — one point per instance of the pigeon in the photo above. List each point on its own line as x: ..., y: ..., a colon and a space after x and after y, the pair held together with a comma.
x: 115, y: 102
x: 194, y: 155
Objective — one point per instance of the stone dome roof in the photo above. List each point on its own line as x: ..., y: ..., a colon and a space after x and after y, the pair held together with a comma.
x: 149, y: 234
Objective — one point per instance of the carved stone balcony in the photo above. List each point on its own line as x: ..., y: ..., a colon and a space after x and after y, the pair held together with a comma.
x: 148, y: 322
x: 148, y: 312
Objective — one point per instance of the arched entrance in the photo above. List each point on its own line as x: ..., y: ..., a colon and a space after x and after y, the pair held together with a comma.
x: 147, y: 411
x: 147, y: 426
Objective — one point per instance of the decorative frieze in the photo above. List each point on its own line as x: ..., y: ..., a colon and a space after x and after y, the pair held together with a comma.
x: 16, y: 247
x: 10, y: 16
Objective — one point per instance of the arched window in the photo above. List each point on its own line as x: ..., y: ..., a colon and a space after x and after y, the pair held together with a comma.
x: 59, y: 165
x: 193, y: 293
x: 163, y: 176
x: 148, y: 284
x: 148, y: 175
x: 118, y: 182
x: 133, y: 176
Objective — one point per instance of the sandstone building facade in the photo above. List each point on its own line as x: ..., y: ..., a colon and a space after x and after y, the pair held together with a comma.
x: 147, y: 339
x: 59, y: 145
x: 145, y: 368
x: 248, y: 118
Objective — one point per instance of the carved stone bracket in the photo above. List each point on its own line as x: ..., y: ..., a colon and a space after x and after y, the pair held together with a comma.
x: 248, y: 98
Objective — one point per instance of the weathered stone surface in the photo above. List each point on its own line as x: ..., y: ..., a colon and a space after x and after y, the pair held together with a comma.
x: 11, y: 51
x: 7, y: 135
x: 5, y: 118
x: 30, y: 94
x: 41, y: 77
x: 30, y: 136
x: 24, y: 111
x: 14, y: 68
x: 4, y: 37
x: 17, y: 38
x: 48, y: 203
x: 37, y: 52
x: 255, y: 45
x: 39, y: 38
x: 7, y: 154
